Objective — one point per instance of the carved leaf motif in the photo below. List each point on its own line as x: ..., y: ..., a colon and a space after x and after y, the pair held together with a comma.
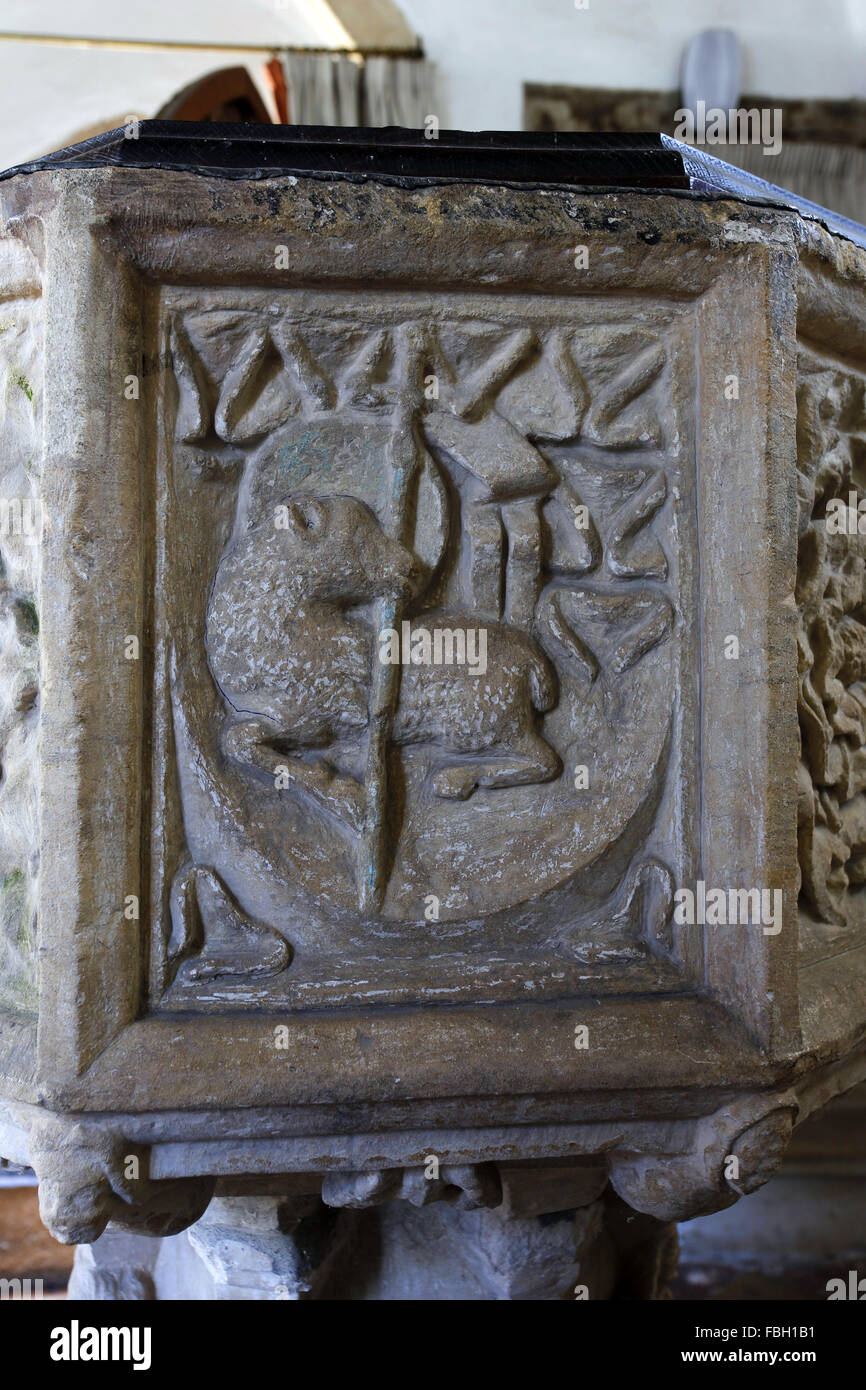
x: 256, y: 395
x: 316, y: 386
x: 633, y: 551
x: 477, y: 392
x: 547, y: 400
x: 365, y: 382
x: 193, y: 411
x: 638, y: 917
x: 603, y: 425
x: 582, y: 658
x: 575, y: 542
x: 21, y: 429
x: 606, y: 632
x: 493, y: 451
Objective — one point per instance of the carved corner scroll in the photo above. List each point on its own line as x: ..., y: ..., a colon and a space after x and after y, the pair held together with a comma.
x: 89, y: 1176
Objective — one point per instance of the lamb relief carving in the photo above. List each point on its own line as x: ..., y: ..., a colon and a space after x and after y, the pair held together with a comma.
x: 281, y: 647
x: 436, y: 580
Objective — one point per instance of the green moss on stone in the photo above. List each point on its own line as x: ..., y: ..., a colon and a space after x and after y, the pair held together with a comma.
x: 23, y: 384
x: 27, y: 615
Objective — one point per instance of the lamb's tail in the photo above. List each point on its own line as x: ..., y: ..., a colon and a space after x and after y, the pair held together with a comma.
x: 542, y: 681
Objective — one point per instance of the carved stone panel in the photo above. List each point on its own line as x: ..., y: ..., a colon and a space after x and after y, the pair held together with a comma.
x: 424, y: 628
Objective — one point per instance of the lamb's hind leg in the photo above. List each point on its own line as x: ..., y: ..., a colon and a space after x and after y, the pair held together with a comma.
x: 530, y: 760
x: 250, y: 743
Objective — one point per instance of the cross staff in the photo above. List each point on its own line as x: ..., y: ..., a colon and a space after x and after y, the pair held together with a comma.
x: 406, y: 456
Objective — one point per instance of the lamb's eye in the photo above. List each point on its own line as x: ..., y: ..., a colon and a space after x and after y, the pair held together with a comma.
x: 306, y: 516
x: 311, y: 515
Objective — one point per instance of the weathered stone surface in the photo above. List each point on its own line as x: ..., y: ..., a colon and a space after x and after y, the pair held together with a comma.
x: 117, y: 1267
x: 388, y: 928
x: 263, y: 1247
x: 21, y: 358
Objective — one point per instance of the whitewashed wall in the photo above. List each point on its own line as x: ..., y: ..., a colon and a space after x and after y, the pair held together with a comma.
x: 49, y: 93
x: 485, y: 50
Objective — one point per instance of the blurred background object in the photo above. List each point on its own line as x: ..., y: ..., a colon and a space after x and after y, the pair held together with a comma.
x: 27, y: 1251
x: 712, y: 70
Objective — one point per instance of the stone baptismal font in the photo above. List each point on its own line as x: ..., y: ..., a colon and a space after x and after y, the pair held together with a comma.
x: 433, y: 815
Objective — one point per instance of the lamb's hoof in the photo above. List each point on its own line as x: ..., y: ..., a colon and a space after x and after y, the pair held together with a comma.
x: 455, y: 783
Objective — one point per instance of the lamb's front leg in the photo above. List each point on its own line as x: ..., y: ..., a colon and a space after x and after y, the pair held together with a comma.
x: 250, y: 743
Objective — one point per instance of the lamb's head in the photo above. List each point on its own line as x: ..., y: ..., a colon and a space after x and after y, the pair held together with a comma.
x: 340, y: 552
